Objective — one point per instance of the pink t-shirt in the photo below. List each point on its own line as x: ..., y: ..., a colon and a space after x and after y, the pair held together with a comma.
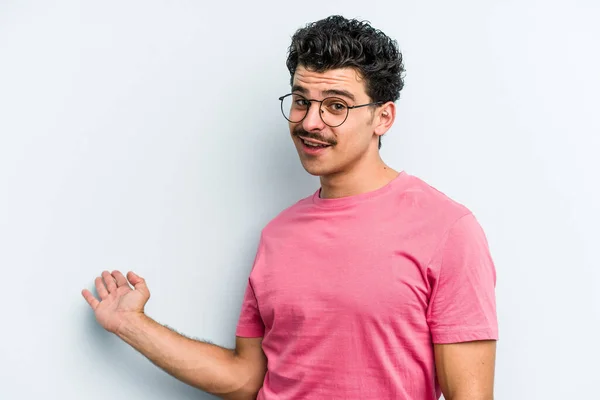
x: 350, y: 294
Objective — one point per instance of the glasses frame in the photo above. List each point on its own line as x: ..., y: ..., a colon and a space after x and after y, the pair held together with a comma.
x: 311, y: 101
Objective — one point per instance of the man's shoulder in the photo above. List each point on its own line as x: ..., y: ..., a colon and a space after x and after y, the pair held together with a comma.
x: 428, y: 195
x: 426, y: 203
x: 285, y: 215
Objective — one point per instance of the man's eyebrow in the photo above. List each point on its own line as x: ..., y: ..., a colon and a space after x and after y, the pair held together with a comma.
x: 329, y: 92
x: 298, y: 88
x: 339, y: 92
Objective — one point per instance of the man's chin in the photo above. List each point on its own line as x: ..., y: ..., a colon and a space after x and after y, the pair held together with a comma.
x: 316, y: 170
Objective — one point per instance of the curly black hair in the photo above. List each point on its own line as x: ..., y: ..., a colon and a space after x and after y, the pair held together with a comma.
x: 337, y: 42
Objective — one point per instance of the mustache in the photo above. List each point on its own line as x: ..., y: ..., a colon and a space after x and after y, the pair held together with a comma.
x: 299, y: 131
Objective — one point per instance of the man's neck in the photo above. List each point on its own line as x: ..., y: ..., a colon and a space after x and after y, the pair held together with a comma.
x: 360, y: 180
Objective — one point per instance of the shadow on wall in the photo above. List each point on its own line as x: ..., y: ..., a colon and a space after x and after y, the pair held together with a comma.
x: 289, y: 181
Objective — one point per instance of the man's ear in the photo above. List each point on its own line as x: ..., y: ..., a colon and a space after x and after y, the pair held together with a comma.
x: 384, y: 119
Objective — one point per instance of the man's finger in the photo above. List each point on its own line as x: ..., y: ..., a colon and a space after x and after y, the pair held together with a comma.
x: 89, y: 297
x: 101, y: 289
x: 120, y: 278
x: 138, y: 282
x: 109, y: 281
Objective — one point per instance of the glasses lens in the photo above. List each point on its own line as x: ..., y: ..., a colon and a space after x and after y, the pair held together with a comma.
x: 334, y: 111
x: 294, y: 107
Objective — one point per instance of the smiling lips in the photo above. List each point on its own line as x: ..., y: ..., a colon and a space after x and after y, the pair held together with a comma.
x: 313, y: 143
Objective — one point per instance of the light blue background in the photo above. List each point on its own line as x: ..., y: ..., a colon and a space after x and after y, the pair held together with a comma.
x: 147, y: 135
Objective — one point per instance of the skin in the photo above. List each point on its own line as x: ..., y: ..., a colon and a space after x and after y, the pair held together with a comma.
x: 351, y: 166
x: 465, y: 371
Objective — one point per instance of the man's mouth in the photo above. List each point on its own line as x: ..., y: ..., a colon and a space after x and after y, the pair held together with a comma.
x: 313, y: 143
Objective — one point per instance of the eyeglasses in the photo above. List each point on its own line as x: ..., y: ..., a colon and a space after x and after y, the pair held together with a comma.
x: 333, y: 110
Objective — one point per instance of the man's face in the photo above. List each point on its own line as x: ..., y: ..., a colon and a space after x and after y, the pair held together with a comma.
x: 348, y: 143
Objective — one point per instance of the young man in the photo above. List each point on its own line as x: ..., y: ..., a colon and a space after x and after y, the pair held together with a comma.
x: 375, y: 287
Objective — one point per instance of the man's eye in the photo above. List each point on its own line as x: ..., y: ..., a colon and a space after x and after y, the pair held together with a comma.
x: 336, y: 107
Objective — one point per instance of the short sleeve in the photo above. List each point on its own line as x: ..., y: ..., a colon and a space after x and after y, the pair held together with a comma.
x: 462, y: 276
x: 250, y: 323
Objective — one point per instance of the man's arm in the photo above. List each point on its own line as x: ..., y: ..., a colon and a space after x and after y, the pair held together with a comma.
x: 465, y: 371
x: 229, y: 374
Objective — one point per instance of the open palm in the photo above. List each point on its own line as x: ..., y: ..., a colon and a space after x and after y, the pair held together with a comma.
x: 118, y: 301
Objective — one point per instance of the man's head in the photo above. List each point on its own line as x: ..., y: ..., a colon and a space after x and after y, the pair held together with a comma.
x: 348, y: 60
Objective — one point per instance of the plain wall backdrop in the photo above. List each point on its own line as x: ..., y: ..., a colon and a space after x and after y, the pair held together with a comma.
x: 147, y: 135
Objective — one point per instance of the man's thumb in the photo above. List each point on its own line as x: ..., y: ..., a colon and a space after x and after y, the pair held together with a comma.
x: 138, y: 282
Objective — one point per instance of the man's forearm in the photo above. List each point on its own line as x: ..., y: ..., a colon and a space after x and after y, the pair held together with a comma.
x: 206, y: 366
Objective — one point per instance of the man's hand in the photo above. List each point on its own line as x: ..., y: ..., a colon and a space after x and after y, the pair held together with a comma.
x: 118, y: 301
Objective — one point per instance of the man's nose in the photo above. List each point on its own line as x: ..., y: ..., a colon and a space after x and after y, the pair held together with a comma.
x: 313, y: 120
